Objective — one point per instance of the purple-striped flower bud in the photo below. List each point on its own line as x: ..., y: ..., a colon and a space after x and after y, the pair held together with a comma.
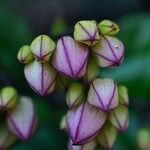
x: 70, y: 58
x: 42, y: 47
x: 22, y: 120
x: 89, y: 146
x: 84, y: 123
x: 123, y: 95
x: 109, y: 51
x: 120, y: 117
x: 107, y: 136
x: 86, y: 32
x: 103, y: 94
x: 40, y: 77
x: 75, y: 94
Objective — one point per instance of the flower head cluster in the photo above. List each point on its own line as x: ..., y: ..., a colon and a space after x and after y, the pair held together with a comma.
x: 97, y: 106
x: 17, y: 117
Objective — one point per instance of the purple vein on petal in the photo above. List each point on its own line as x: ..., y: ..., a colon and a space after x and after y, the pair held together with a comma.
x: 118, y: 121
x: 42, y: 78
x: 67, y: 57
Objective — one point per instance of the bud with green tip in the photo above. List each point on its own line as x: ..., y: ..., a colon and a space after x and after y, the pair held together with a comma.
x: 42, y: 47
x: 75, y: 95
x: 108, y: 27
x: 24, y: 55
x: 120, y: 117
x: 107, y: 136
x: 123, y: 95
x: 63, y: 123
x: 8, y: 98
x: 86, y: 32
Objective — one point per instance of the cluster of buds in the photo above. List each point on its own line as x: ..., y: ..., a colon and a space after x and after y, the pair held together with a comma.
x: 97, y: 106
x: 17, y: 117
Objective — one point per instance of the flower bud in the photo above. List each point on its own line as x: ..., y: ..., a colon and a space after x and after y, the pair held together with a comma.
x: 109, y: 52
x: 63, y: 123
x: 89, y: 146
x: 108, y: 27
x: 6, y: 138
x: 40, y: 77
x: 70, y: 58
x: 75, y: 95
x: 84, y: 123
x: 42, y: 48
x: 86, y: 32
x: 107, y: 136
x: 8, y: 98
x: 24, y: 55
x: 103, y: 94
x: 21, y: 120
x: 123, y: 95
x: 120, y: 117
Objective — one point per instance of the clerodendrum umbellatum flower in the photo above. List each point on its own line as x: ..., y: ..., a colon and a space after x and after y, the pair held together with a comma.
x: 108, y: 27
x: 89, y: 146
x: 123, y: 95
x: 70, y: 58
x: 40, y: 77
x: 119, y: 117
x: 109, y: 51
x: 22, y: 120
x: 103, y: 94
x: 84, y: 123
x: 42, y: 47
x: 75, y: 94
x: 107, y: 136
x: 6, y: 138
x: 86, y: 32
x: 8, y: 98
x: 24, y: 55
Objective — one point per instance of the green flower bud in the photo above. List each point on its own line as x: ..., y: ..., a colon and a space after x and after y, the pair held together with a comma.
x: 75, y: 95
x: 108, y: 27
x: 123, y: 95
x: 8, y: 98
x: 24, y: 55
x: 63, y: 123
x: 107, y: 136
x: 86, y: 32
x: 42, y: 48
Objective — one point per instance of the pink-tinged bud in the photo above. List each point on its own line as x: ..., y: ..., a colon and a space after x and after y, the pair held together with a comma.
x: 123, y: 95
x: 42, y: 47
x: 89, y: 146
x: 84, y: 123
x: 107, y: 136
x: 40, y: 77
x: 120, y: 117
x: 70, y: 58
x: 103, y: 94
x: 109, y: 51
x: 63, y: 123
x: 75, y: 94
x: 86, y: 32
x: 6, y: 138
x: 22, y: 120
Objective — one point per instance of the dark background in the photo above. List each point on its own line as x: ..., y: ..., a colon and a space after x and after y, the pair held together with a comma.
x: 22, y: 20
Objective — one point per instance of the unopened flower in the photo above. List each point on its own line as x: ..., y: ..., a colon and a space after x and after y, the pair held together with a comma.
x: 22, y: 120
x: 75, y: 94
x: 109, y: 51
x: 24, y: 55
x: 86, y: 32
x: 8, y: 98
x: 103, y: 94
x: 40, y: 77
x: 42, y: 47
x: 70, y: 58
x: 107, y: 136
x: 120, y: 117
x: 88, y: 146
x: 123, y: 95
x: 108, y: 27
x: 84, y: 123
x: 63, y: 123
